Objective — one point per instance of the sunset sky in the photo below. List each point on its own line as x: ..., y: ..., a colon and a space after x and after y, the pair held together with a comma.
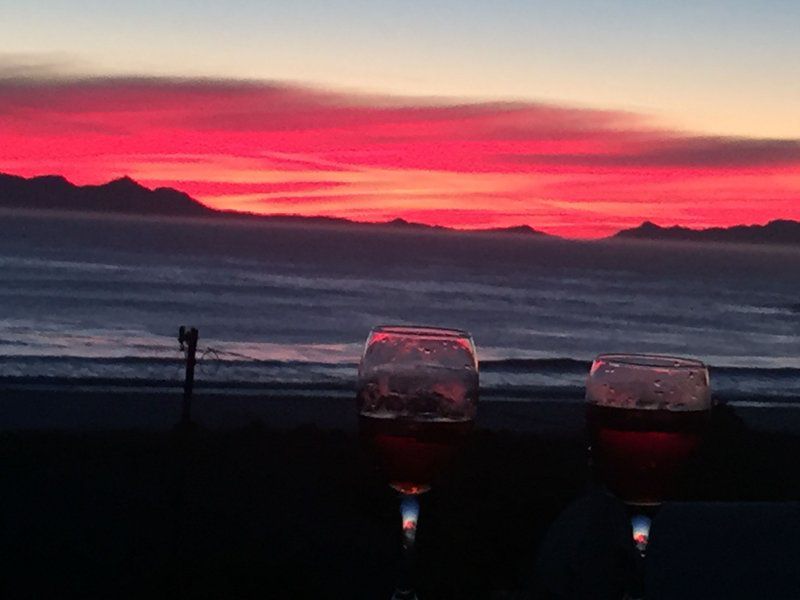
x: 577, y: 118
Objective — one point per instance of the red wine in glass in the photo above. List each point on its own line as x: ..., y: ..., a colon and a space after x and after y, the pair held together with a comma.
x: 641, y: 454
x: 413, y: 453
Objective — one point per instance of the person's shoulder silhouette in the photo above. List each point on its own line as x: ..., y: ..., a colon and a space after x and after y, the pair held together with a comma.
x: 587, y: 552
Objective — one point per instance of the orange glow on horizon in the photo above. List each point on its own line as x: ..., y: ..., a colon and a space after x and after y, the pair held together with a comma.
x: 276, y: 149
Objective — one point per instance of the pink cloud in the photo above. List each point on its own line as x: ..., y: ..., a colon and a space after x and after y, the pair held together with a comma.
x: 273, y: 146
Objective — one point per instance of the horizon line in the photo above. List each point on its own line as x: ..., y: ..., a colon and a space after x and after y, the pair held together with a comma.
x: 397, y: 219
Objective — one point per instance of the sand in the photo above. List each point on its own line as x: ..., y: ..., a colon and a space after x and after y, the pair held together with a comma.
x: 277, y: 498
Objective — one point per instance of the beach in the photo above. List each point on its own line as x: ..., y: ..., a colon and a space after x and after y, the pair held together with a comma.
x: 271, y: 493
x: 275, y: 496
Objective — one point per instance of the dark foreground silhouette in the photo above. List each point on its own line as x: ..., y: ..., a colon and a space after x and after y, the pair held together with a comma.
x: 260, y: 512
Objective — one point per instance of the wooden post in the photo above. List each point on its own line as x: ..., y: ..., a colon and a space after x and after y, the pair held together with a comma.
x: 188, y: 336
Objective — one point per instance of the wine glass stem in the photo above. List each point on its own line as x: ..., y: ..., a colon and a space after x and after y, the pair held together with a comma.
x: 409, y: 510
x: 640, y: 528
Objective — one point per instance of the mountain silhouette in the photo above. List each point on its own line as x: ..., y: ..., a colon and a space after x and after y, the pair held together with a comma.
x: 775, y: 232
x: 403, y: 224
x: 120, y: 196
x: 127, y: 197
x: 518, y: 229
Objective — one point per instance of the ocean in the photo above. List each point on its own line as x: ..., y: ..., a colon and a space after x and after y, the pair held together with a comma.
x: 97, y: 301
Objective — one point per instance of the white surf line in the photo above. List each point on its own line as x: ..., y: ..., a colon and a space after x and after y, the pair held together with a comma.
x: 174, y: 390
x: 768, y: 404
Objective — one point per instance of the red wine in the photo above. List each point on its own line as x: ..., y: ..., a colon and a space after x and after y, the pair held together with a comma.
x: 640, y: 454
x: 413, y: 453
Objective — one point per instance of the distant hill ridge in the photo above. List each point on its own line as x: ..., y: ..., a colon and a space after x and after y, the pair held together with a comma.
x: 126, y: 196
x: 780, y: 231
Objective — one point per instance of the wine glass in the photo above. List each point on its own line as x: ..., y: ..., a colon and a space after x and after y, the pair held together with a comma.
x: 417, y: 398
x: 646, y: 416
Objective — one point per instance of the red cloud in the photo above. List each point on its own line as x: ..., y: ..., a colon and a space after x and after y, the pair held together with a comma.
x: 272, y: 147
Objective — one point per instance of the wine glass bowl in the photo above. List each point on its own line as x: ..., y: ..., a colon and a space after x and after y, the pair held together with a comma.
x: 646, y: 417
x: 648, y: 382
x: 418, y: 372
x: 417, y: 397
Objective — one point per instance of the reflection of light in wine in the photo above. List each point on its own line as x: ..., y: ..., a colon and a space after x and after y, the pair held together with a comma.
x: 409, y: 510
x: 640, y: 525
